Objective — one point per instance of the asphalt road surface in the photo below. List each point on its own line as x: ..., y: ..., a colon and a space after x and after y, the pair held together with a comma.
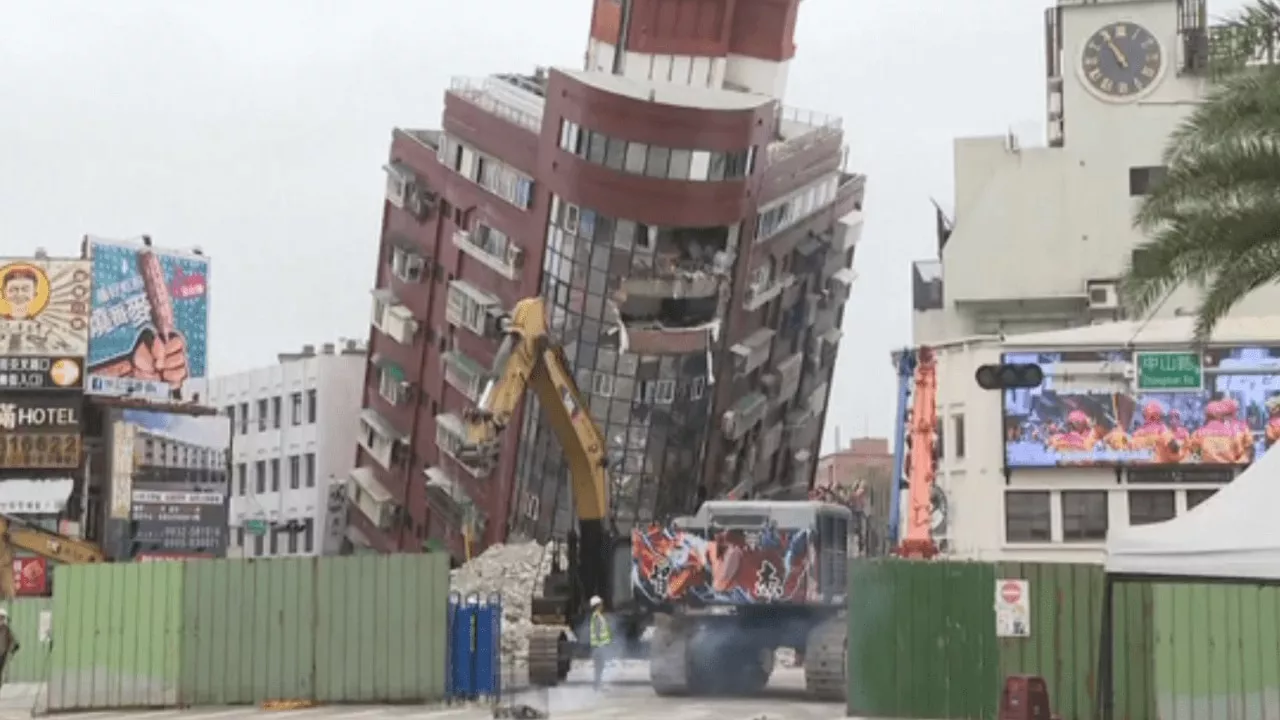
x: 626, y: 696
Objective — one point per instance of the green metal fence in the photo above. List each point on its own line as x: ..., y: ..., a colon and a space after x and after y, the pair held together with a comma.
x: 1217, y: 651
x: 222, y: 632
x: 922, y: 639
x: 26, y: 617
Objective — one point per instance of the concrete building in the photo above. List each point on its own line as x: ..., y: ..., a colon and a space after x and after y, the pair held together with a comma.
x: 156, y: 449
x: 1040, y: 234
x: 1004, y: 505
x: 864, y: 469
x: 292, y: 428
x: 684, y: 227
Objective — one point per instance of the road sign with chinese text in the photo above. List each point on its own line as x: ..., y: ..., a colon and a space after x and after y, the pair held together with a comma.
x: 1169, y: 372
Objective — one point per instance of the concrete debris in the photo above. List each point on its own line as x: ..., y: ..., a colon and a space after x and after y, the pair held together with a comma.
x: 515, y: 571
x: 785, y: 657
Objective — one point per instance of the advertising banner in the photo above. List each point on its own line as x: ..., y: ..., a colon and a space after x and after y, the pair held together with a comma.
x: 41, y: 373
x: 44, y: 307
x: 1235, y: 418
x: 39, y: 431
x: 167, y: 520
x: 30, y: 576
x: 149, y: 323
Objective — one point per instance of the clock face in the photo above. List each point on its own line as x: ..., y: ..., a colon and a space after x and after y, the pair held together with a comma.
x: 1121, y: 61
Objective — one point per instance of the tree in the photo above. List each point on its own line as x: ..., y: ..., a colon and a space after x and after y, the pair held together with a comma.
x: 1214, y: 219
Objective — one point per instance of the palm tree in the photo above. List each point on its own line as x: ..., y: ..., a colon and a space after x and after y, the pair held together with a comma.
x: 1214, y: 219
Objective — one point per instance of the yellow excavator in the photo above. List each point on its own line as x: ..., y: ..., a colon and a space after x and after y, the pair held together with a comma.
x: 20, y: 535
x: 529, y: 359
x: 721, y: 589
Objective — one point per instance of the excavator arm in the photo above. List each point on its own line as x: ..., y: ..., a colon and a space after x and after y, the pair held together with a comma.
x: 918, y: 543
x: 15, y: 533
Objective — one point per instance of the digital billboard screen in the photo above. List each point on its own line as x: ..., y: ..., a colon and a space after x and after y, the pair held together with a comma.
x: 1064, y: 423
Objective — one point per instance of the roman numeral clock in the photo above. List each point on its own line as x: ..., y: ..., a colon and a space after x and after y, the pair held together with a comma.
x: 1121, y: 62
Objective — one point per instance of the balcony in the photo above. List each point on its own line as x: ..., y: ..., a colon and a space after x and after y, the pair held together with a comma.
x: 850, y: 193
x: 446, y: 495
x: 688, y: 286
x: 799, y: 130
x: 744, y: 415
x: 392, y: 318
x: 464, y: 374
x: 840, y: 285
x: 770, y: 441
x: 370, y: 498
x: 759, y: 294
x: 451, y: 435
x: 782, y: 382
x: 817, y: 400
x: 752, y: 352
x: 492, y: 249
x: 823, y: 346
x: 520, y: 100
x: 657, y: 339
x: 378, y: 437
x: 469, y: 307
x: 802, y: 430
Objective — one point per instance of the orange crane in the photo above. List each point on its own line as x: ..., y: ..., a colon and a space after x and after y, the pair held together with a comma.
x: 917, y: 540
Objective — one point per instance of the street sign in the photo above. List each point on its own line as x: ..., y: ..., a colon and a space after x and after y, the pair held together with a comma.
x: 1011, y: 592
x: 1169, y: 372
x: 256, y: 527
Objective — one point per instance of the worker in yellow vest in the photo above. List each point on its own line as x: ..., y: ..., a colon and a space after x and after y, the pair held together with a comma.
x: 601, y: 638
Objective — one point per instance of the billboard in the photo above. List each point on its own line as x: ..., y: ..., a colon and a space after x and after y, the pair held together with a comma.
x: 1064, y: 423
x: 149, y: 320
x: 167, y: 521
x: 44, y: 307
x: 39, y: 431
x: 30, y: 576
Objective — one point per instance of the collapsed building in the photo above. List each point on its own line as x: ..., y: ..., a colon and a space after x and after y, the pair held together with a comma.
x: 693, y: 238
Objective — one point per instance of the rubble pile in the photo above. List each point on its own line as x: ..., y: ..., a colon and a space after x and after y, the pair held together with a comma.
x: 516, y: 572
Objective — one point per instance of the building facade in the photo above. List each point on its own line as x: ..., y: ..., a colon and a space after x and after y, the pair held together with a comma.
x: 1029, y: 262
x: 1040, y: 235
x: 693, y: 240
x: 292, y: 427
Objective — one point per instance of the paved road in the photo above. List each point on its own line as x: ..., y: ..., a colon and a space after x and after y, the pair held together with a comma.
x: 626, y: 697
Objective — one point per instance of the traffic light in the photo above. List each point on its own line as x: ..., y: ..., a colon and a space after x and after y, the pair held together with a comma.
x: 1008, y: 376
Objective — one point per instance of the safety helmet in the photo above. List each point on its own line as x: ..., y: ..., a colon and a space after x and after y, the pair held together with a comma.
x: 596, y: 601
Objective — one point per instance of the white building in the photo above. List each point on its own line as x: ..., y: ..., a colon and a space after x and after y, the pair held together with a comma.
x: 1040, y: 234
x: 156, y: 449
x: 1062, y: 514
x: 292, y: 447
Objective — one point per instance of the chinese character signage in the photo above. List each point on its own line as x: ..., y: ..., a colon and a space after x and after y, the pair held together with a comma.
x: 44, y: 307
x: 39, y: 431
x: 1066, y: 422
x: 149, y: 323
x: 41, y: 373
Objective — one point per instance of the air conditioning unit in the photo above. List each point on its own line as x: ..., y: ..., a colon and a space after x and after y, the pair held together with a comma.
x: 729, y: 423
x: 571, y: 218
x: 515, y: 256
x: 1103, y: 295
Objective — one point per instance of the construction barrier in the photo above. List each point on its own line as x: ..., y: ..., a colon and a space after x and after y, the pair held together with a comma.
x: 275, y: 632
x: 475, y: 651
x: 31, y: 620
x: 923, y: 639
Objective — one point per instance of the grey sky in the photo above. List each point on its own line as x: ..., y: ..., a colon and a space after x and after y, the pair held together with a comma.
x: 257, y: 130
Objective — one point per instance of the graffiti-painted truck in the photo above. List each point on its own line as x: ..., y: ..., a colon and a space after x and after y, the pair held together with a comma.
x: 732, y: 584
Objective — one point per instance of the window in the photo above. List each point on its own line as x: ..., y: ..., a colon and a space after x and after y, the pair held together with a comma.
x: 1084, y: 515
x: 719, y: 163
x: 275, y: 475
x: 312, y: 410
x: 467, y: 306
x: 293, y: 541
x: 295, y: 472
x: 295, y: 405
x: 242, y: 477
x: 957, y: 436
x: 244, y: 418
x: 567, y: 131
x: 309, y: 469
x: 262, y: 416
x: 257, y: 545
x: 463, y: 374
x: 697, y: 387
x: 1142, y: 180
x: 602, y: 384
x: 699, y: 165
x: 657, y: 162
x: 391, y: 387
x: 260, y: 476
x: 658, y: 392
x: 308, y: 535
x: 680, y: 161
x: 491, y: 241
x: 407, y: 266
x: 275, y: 542
x: 615, y: 156
x: 1151, y: 506
x: 1195, y: 497
x: 1027, y: 517
x: 230, y: 412
x: 596, y: 147
x: 276, y: 402
x: 240, y: 536
x: 636, y: 154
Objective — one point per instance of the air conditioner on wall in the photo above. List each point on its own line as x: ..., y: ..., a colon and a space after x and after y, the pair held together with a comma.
x: 1103, y: 295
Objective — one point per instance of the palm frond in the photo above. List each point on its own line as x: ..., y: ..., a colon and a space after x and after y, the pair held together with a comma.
x: 1247, y: 104
x: 1250, y: 271
x: 1245, y: 37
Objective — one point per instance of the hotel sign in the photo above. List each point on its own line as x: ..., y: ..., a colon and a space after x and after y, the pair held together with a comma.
x: 39, y: 431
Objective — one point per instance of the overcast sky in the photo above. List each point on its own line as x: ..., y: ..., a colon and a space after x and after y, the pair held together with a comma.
x: 257, y: 129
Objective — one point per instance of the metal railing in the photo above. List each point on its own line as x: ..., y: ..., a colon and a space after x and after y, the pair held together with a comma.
x: 479, y: 94
x: 820, y: 127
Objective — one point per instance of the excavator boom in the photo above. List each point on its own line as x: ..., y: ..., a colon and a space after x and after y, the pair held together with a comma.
x: 15, y: 533
x: 917, y: 542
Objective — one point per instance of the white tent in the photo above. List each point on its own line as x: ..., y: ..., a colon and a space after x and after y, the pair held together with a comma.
x: 1234, y: 534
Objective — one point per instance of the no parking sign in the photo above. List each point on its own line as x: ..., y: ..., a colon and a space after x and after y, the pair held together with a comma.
x: 1013, y: 608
